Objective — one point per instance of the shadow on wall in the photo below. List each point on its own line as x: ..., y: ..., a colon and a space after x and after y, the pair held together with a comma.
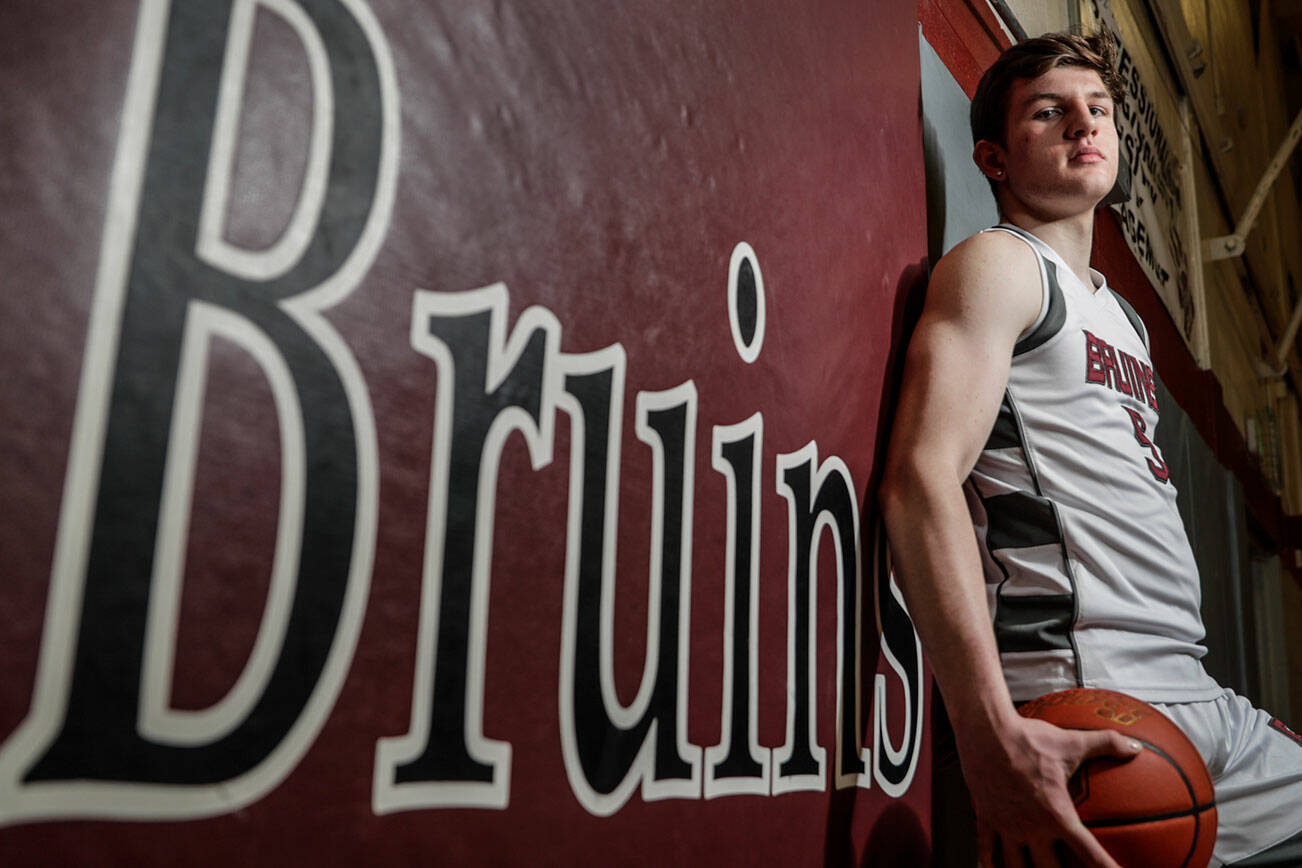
x: 910, y: 293
x: 898, y: 839
x: 897, y: 836
x: 935, y: 168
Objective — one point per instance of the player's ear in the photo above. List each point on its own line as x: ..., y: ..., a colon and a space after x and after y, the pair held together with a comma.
x: 989, y: 157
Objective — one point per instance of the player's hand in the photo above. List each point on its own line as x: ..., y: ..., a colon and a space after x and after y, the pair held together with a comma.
x: 1018, y: 781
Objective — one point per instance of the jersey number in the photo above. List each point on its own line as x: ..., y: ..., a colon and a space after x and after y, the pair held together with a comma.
x: 1155, y: 464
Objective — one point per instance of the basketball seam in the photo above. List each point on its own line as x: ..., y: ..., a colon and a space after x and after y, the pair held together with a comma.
x: 1196, y: 811
x: 1155, y: 818
x: 1193, y: 797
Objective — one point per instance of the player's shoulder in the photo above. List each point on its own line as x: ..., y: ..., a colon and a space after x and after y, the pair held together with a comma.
x: 991, y: 255
x: 993, y: 269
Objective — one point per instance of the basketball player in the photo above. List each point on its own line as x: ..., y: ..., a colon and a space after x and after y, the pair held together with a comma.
x: 1027, y: 413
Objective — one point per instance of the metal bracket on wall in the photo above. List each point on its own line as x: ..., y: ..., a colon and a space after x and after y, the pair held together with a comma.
x: 1228, y: 246
x: 1200, y: 340
x: 1277, y: 364
x: 1009, y: 20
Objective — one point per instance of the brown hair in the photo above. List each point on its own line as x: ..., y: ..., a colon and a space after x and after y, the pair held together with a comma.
x: 1034, y: 58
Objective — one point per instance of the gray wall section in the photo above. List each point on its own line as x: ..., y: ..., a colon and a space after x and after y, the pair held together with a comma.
x: 959, y: 201
x: 1272, y: 646
x: 1211, y: 504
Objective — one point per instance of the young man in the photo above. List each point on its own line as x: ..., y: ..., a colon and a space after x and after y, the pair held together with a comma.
x: 1027, y: 415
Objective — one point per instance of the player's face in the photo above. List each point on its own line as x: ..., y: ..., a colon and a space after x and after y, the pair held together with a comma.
x: 1060, y: 145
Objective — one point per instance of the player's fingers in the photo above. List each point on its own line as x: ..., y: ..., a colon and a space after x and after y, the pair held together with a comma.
x: 1014, y: 854
x: 986, y: 843
x: 1088, y: 850
x: 1108, y: 742
x: 1063, y: 857
x: 1052, y: 854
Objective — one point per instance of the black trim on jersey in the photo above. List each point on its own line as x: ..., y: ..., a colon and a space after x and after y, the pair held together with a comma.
x: 1134, y: 320
x: 1056, y: 316
x: 1004, y: 434
x: 997, y: 560
x: 1019, y: 521
x: 1015, y: 630
x: 1075, y: 599
x: 1057, y: 312
x: 1034, y: 623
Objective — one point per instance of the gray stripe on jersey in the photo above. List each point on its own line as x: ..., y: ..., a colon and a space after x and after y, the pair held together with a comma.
x: 1038, y: 570
x: 1002, y: 471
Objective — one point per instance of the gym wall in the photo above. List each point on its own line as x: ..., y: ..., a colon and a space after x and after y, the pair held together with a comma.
x: 447, y: 433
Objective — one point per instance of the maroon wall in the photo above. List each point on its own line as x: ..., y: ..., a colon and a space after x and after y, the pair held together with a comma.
x: 421, y: 465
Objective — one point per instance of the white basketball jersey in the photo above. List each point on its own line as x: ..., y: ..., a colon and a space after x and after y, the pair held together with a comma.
x: 1090, y: 577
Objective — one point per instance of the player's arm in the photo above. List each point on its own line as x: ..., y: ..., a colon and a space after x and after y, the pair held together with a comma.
x: 982, y: 295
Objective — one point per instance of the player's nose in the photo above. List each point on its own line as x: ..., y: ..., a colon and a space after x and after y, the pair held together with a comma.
x: 1081, y: 121
x: 1083, y: 128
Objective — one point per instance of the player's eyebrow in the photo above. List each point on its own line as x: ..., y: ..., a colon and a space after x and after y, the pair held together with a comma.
x: 1058, y: 97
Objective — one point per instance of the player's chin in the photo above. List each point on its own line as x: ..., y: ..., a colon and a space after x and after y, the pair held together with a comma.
x: 1103, y: 172
x: 1092, y: 186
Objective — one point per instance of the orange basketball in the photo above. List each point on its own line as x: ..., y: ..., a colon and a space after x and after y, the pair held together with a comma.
x: 1155, y: 810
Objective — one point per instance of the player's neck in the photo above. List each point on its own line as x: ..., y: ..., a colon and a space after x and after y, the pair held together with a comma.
x: 1072, y: 237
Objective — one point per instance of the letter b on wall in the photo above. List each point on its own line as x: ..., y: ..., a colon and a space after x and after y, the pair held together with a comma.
x: 101, y: 739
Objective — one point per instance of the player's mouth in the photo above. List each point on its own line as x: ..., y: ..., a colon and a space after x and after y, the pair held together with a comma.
x: 1088, y: 155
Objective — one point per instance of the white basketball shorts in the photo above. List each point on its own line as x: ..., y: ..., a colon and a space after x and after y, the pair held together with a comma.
x: 1256, y: 766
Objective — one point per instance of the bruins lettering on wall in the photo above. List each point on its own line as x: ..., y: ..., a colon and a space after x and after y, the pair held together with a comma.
x: 458, y: 433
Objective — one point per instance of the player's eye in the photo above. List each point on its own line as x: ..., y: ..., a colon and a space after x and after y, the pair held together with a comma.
x: 1047, y: 113
x: 1098, y: 111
